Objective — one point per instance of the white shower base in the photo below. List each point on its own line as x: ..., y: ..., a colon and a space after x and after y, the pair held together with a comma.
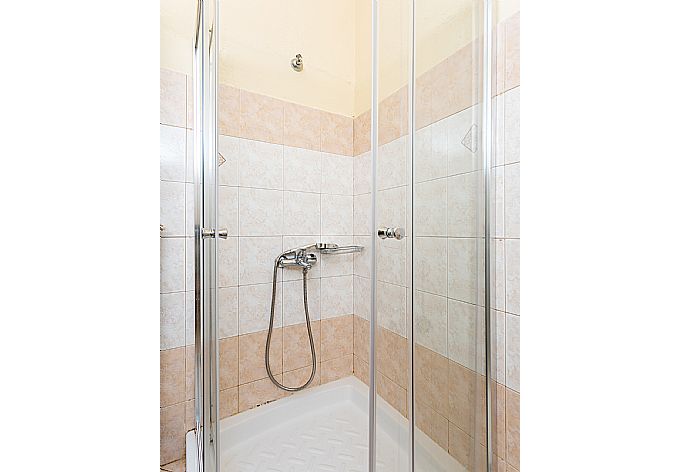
x: 322, y: 429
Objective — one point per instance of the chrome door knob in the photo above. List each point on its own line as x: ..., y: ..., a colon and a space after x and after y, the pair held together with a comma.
x: 223, y: 233
x: 386, y: 233
x: 213, y: 233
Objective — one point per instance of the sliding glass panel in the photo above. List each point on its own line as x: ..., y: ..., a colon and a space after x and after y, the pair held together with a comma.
x: 448, y: 238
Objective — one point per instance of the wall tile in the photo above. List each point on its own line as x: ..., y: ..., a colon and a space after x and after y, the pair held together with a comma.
x: 336, y: 215
x: 498, y: 201
x: 261, y: 117
x: 172, y: 208
x: 361, y: 338
x: 362, y: 133
x: 391, y: 207
x: 454, y: 84
x: 172, y: 388
x: 464, y: 282
x: 228, y: 209
x: 423, y: 99
x: 260, y: 165
x: 336, y: 296
x: 498, y: 372
x: 336, y: 134
x: 463, y: 385
x: 462, y: 332
x: 498, y: 108
x: 172, y: 262
x: 431, y: 265
x: 172, y: 433
x: 393, y: 118
x: 432, y: 424
x: 228, y: 356
x: 512, y: 354
x: 302, y: 126
x: 227, y: 402
x: 173, y: 98
x: 391, y: 168
x: 513, y: 428
x: 390, y: 307
x: 189, y: 268
x: 190, y: 101
x: 335, y: 369
x: 512, y: 126
x: 261, y: 212
x: 392, y: 355
x: 302, y: 169
x: 336, y: 175
x: 189, y: 366
x: 172, y: 328
x: 393, y: 394
x: 431, y: 321
x: 362, y: 214
x: 298, y: 377
x: 512, y: 247
x: 464, y: 210
x: 189, y: 318
x: 336, y: 337
x: 361, y: 370
x: 293, y: 301
x: 431, y: 379
x: 512, y: 51
x: 228, y: 311
x: 362, y: 173
x: 512, y: 201
x: 334, y: 265
x: 301, y: 213
x: 391, y: 260
x: 460, y: 158
x: 460, y: 446
x: 259, y: 392
x: 227, y: 262
x: 172, y: 153
x: 362, y: 297
x: 255, y: 307
x: 431, y: 208
x: 252, y: 350
x: 228, y: 173
x: 228, y: 110
x: 296, y: 346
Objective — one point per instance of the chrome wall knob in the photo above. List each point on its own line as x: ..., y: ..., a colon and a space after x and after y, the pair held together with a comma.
x: 223, y: 233
x: 387, y: 233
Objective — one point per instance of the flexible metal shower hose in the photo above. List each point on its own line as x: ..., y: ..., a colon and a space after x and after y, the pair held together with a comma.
x: 270, y: 332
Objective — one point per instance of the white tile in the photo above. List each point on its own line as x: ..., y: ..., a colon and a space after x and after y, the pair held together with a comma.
x: 189, y: 210
x: 362, y: 297
x: 229, y: 148
x: 460, y: 158
x: 333, y: 265
x: 301, y: 213
x: 172, y: 153
x: 337, y: 174
x: 336, y: 215
x: 261, y: 212
x: 172, y: 320
x: 362, y: 173
x: 512, y: 248
x: 390, y: 258
x: 293, y: 301
x: 499, y: 276
x: 439, y: 148
x: 172, y: 269
x: 189, y: 268
x: 391, y: 170
x: 362, y: 214
x: 463, y: 205
x: 255, y: 307
x: 302, y: 169
x: 431, y: 322
x: 463, y: 335
x: 390, y: 206
x: 497, y: 204
x: 228, y: 209
x: 390, y: 307
x: 260, y: 164
x: 172, y: 208
x: 431, y: 154
x: 464, y: 274
x: 513, y: 352
x: 498, y: 371
x: 431, y: 208
x: 189, y: 319
x: 228, y: 312
x: 189, y: 156
x: 257, y: 256
x: 227, y: 262
x: 431, y: 265
x: 499, y: 127
x: 362, y: 260
x: 336, y: 296
x: 512, y: 201
x: 512, y: 125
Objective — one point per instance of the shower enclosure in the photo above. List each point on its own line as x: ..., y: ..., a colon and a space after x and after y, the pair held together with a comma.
x: 342, y: 281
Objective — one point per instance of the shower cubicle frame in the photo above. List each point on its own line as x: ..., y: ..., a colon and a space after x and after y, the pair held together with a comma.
x: 206, y: 232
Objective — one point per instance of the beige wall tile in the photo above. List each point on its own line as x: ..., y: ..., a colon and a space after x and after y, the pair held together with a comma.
x: 296, y: 347
x: 227, y: 404
x: 394, y: 394
x: 454, y: 81
x: 432, y: 424
x: 392, y: 356
x: 251, y: 355
x: 172, y: 433
x: 228, y: 110
x: 228, y: 357
x: 423, y: 99
x: 499, y: 423
x: 173, y: 98
x: 362, y: 133
x: 512, y: 51
x: 498, y: 84
x: 361, y: 338
x: 361, y: 368
x: 393, y: 119
x: 189, y: 372
x: 298, y: 377
x: 336, y: 337
x: 302, y: 127
x: 431, y: 379
x: 259, y: 392
x: 338, y: 368
x: 460, y: 446
x: 177, y: 466
x: 462, y: 388
x: 172, y: 376
x: 513, y: 428
x: 261, y: 117
x: 189, y: 420
x: 190, y: 102
x: 336, y: 134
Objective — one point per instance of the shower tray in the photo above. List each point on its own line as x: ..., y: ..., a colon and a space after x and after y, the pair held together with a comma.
x: 324, y: 428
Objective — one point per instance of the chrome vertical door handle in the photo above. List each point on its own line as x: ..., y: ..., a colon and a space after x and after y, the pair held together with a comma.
x: 386, y: 233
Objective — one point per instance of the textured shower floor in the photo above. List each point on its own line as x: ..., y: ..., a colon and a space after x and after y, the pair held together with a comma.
x: 322, y: 429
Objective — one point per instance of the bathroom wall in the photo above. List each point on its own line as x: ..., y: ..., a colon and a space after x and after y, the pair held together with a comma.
x: 286, y: 181
x: 448, y: 238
